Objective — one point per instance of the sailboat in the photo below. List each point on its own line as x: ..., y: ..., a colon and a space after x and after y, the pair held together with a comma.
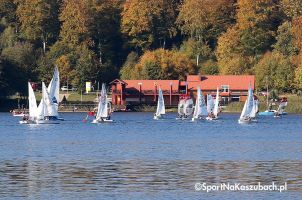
x: 43, y: 114
x: 32, y: 107
x: 104, y: 108
x: 245, y: 116
x: 200, y: 109
x: 254, y: 111
x: 213, y: 106
x: 160, y: 105
x: 53, y: 90
x: 185, y: 107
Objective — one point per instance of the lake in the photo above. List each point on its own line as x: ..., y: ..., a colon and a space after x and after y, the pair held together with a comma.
x: 139, y: 158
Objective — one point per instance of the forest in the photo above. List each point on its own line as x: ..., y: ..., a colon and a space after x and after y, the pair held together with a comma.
x: 100, y: 40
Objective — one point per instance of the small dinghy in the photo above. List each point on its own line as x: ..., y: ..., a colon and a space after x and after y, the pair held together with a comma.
x: 200, y: 109
x: 185, y: 108
x: 247, y: 110
x: 160, y: 110
x: 43, y: 114
x: 213, y: 107
x: 53, y: 91
x: 104, y: 108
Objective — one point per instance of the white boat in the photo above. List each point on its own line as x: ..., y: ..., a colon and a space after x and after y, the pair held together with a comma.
x: 245, y: 116
x: 200, y: 109
x: 54, y: 92
x: 185, y: 108
x: 254, y: 111
x: 160, y: 110
x: 104, y: 108
x: 213, y: 106
x: 43, y: 114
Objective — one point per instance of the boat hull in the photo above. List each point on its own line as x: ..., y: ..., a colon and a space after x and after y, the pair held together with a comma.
x: 157, y: 117
x: 95, y: 121
x: 270, y: 113
x: 244, y: 121
x: 39, y: 122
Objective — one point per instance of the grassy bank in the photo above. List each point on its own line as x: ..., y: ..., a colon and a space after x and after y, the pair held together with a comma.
x: 294, y: 105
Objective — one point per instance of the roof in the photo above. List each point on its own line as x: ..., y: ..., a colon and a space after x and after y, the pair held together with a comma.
x: 150, y: 84
x: 235, y: 82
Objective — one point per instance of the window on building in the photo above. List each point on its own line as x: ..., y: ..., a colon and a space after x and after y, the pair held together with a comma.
x: 225, y: 88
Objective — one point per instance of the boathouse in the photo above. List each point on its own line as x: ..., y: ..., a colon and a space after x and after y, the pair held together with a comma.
x: 135, y: 92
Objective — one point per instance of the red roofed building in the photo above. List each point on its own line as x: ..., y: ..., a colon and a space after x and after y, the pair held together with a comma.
x: 232, y: 88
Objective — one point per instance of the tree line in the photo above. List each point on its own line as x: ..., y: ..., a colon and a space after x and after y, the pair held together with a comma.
x: 99, y: 40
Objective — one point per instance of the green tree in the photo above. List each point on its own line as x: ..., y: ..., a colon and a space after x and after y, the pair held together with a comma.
x: 23, y: 55
x: 196, y: 50
x: 8, y: 12
x: 292, y: 8
x: 148, y: 22
x: 278, y: 69
x: 285, y: 40
x: 126, y: 71
x: 39, y: 19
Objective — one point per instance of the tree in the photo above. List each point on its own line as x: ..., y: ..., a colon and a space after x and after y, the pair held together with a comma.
x: 278, y: 69
x: 230, y: 54
x: 257, y: 21
x: 126, y: 71
x: 148, y: 22
x: 106, y: 33
x: 8, y: 11
x: 297, y: 31
x: 196, y: 50
x: 38, y: 19
x: 23, y: 55
x: 76, y: 18
x: 164, y: 64
x: 285, y: 40
x: 292, y: 8
x: 86, y: 67
x: 205, y: 20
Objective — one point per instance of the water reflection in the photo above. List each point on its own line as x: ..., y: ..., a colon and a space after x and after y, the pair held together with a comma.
x: 31, y: 178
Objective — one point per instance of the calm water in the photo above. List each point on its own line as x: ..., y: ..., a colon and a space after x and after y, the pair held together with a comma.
x: 138, y: 158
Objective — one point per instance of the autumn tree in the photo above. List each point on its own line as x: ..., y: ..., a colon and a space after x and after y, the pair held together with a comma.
x: 257, y: 21
x: 76, y: 18
x: 292, y: 8
x: 148, y: 22
x: 39, y: 20
x: 164, y: 64
x: 204, y: 20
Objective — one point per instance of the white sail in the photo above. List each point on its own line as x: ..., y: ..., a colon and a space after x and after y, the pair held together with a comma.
x: 103, y: 104
x: 254, y: 109
x: 160, y: 104
x: 50, y: 107
x: 188, y: 107
x: 216, y: 105
x: 200, y: 105
x: 210, y: 103
x: 54, y: 87
x: 181, y: 106
x: 249, y: 104
x: 32, y: 102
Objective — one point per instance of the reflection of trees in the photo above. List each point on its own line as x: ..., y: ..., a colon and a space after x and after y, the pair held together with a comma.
x: 30, y: 179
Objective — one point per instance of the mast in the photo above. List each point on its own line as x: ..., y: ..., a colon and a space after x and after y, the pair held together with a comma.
x: 267, y: 98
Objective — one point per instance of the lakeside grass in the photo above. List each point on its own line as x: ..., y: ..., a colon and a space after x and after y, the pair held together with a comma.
x: 294, y: 105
